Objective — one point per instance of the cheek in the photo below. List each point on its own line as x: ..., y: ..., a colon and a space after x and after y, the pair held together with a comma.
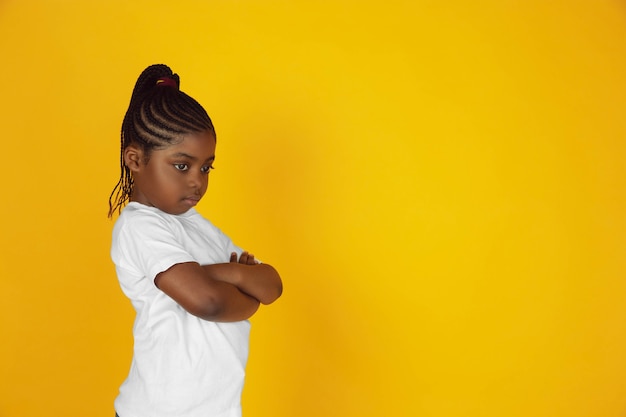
x: 165, y: 183
x: 167, y: 178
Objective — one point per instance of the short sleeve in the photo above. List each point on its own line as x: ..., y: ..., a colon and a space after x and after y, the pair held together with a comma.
x: 148, y: 244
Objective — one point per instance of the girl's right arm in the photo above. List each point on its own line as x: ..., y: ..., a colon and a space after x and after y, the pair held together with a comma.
x: 190, y: 286
x: 258, y: 280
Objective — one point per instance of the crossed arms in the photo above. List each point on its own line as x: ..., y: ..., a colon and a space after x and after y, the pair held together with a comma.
x: 221, y: 292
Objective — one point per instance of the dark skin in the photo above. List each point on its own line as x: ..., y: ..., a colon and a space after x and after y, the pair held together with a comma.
x: 174, y: 179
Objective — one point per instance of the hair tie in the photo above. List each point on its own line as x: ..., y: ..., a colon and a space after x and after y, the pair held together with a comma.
x: 167, y: 82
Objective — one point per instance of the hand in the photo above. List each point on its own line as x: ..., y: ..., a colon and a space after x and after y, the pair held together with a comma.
x: 245, y: 258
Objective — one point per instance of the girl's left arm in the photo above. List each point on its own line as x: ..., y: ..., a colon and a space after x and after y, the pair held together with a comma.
x: 260, y: 281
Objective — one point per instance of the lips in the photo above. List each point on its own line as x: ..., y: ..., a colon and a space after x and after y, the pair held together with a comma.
x: 191, y: 200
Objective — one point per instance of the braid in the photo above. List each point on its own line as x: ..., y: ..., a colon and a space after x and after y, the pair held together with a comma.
x: 158, y: 115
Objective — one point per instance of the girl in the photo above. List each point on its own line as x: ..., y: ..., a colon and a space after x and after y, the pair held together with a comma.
x: 192, y: 288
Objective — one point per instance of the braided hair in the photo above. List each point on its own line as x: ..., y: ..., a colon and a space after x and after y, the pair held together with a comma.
x: 158, y: 116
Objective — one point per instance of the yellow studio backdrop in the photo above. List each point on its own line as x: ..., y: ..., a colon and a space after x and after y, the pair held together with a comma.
x: 441, y: 184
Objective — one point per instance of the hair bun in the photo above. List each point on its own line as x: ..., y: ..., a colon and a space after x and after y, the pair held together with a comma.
x: 167, y: 82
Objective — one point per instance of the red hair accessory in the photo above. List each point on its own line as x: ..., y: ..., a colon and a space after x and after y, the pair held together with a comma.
x: 166, y: 81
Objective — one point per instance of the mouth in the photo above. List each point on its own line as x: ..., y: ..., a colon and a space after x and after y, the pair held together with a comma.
x: 192, y: 201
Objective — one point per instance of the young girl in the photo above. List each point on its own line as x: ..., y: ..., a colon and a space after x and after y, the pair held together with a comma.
x: 192, y: 288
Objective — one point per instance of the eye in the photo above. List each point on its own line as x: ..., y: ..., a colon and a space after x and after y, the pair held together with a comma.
x: 205, y: 169
x: 181, y: 167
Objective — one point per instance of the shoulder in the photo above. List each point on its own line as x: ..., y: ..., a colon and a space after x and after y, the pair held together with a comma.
x: 137, y: 215
x: 139, y: 222
x: 148, y: 239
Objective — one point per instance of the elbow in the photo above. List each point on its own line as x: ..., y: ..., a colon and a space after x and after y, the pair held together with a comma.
x: 274, y: 294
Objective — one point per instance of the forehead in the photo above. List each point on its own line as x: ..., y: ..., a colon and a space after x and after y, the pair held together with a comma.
x: 199, y: 145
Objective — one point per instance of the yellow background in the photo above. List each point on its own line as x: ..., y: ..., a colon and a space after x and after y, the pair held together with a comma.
x: 442, y: 185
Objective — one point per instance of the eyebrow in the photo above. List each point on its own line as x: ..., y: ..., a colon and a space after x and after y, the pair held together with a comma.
x: 193, y: 158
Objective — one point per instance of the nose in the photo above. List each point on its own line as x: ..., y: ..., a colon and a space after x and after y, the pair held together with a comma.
x: 197, y: 180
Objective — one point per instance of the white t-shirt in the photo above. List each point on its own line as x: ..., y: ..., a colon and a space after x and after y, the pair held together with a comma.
x: 182, y: 366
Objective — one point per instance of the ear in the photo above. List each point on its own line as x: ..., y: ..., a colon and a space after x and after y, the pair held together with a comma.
x: 133, y: 158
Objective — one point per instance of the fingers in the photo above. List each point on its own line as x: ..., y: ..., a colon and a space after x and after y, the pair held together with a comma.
x: 247, y: 258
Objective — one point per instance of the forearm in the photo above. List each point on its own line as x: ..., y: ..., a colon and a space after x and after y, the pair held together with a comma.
x: 204, y: 297
x: 228, y: 304
x: 260, y: 281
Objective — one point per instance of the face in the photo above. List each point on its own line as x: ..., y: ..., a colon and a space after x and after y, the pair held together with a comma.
x: 175, y: 178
